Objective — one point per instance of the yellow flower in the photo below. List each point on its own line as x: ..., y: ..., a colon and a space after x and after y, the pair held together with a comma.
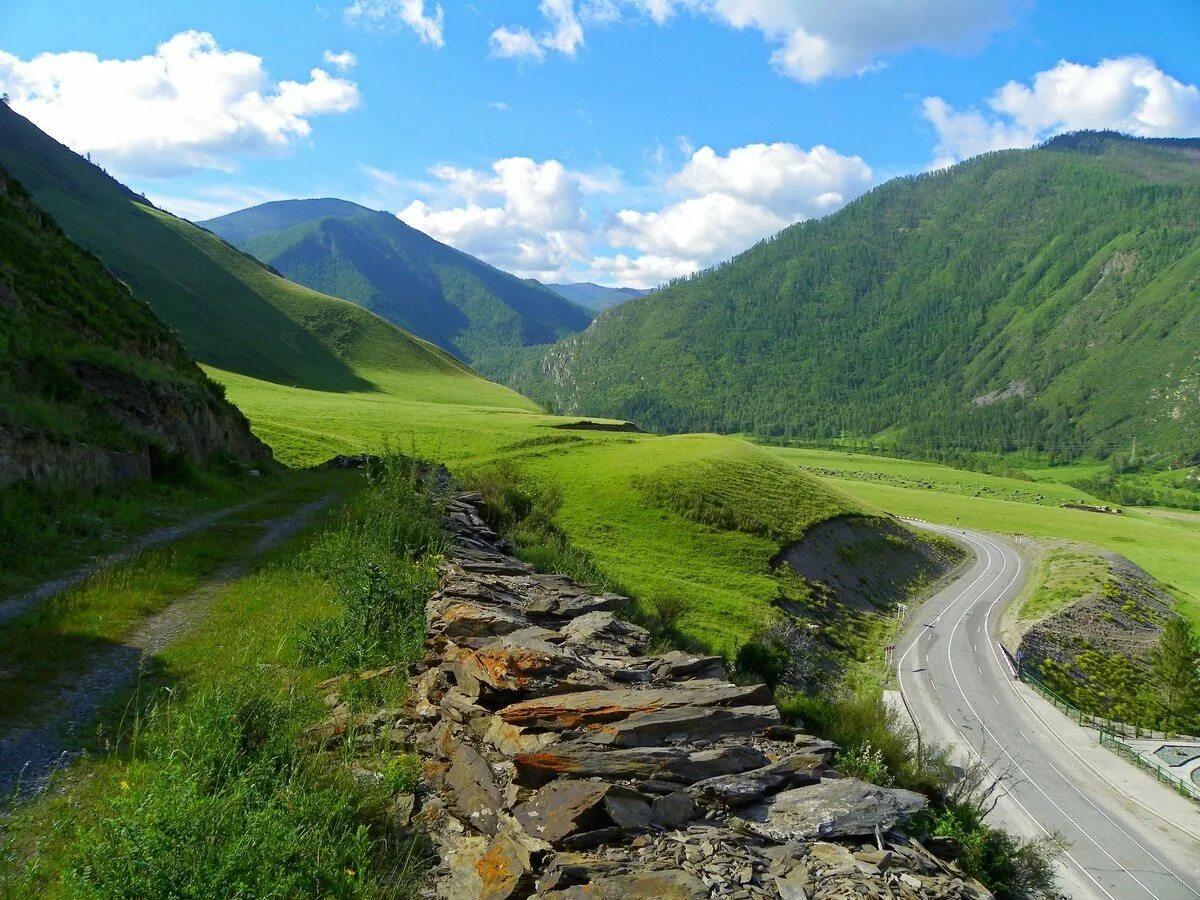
x: 124, y: 785
x: 350, y: 872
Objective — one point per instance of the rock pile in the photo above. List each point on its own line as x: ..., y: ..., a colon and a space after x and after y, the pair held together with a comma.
x: 562, y: 761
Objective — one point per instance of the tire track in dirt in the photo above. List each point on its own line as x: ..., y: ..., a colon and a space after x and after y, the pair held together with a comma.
x: 28, y: 756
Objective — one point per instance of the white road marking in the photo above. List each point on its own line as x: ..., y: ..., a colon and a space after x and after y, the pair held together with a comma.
x: 987, y: 618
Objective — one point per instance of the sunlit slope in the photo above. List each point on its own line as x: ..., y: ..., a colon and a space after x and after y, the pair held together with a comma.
x: 458, y: 302
x: 1165, y: 544
x: 233, y: 314
x: 1045, y: 298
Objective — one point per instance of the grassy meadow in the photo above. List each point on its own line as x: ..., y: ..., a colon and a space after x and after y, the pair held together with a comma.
x: 1165, y: 543
x: 621, y: 492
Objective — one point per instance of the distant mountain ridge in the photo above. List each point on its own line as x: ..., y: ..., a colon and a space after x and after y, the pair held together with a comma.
x: 474, y: 310
x: 596, y: 297
x: 231, y: 311
x: 1028, y: 299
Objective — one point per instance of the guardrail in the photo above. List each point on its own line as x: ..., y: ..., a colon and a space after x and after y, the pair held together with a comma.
x: 1170, y: 779
x: 1100, y: 723
x: 1110, y: 729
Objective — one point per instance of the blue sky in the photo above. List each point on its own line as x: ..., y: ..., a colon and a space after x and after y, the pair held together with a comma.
x: 623, y: 141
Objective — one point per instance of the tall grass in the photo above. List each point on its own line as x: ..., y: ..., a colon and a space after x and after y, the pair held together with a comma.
x: 524, y: 508
x: 382, y: 561
x: 214, y: 791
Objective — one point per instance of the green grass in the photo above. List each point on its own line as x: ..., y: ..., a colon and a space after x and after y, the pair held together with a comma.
x: 622, y: 494
x: 1161, y: 542
x: 209, y: 783
x: 1062, y: 577
x: 59, y: 637
x: 45, y: 533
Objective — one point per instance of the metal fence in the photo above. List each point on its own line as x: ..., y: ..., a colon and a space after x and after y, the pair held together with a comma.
x: 1170, y: 779
x: 1100, y: 723
x: 1110, y: 729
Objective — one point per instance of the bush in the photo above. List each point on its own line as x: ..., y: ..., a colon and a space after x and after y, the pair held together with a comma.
x: 382, y: 619
x: 865, y: 762
x: 784, y: 654
x: 382, y: 560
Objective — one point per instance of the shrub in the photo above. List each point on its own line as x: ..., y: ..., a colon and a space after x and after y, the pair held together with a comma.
x: 865, y: 762
x: 382, y: 560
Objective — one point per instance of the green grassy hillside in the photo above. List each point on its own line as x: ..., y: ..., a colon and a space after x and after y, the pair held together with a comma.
x: 1164, y: 543
x: 988, y: 306
x: 232, y: 313
x: 372, y: 258
x: 93, y: 388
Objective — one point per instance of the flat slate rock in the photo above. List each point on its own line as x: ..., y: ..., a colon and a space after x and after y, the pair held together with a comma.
x: 836, y: 808
x: 688, y: 724
x: 744, y: 788
x: 675, y: 764
x: 598, y: 707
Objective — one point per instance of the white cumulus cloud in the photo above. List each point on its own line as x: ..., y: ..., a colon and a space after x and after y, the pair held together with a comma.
x: 343, y: 62
x: 541, y: 219
x: 188, y: 106
x: 812, y: 39
x: 727, y: 203
x: 1129, y: 94
x: 564, y: 34
x: 524, y: 216
x: 393, y: 15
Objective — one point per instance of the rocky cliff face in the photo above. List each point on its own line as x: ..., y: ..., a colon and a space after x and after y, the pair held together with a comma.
x: 564, y: 760
x: 93, y: 388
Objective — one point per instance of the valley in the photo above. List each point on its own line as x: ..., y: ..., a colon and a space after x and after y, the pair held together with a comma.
x: 572, y: 546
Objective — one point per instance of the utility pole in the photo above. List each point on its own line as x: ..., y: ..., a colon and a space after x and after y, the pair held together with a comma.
x: 1133, y: 452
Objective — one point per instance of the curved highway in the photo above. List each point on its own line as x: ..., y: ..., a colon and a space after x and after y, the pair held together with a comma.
x: 960, y: 689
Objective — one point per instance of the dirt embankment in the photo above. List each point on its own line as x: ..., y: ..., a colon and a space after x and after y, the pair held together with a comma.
x: 866, y: 564
x: 1119, y: 616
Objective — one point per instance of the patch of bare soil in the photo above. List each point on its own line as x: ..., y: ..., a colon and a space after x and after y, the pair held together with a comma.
x: 868, y: 564
x: 1122, y: 617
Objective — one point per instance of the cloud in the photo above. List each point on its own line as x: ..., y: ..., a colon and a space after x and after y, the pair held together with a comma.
x: 393, y: 15
x: 499, y: 106
x: 189, y: 106
x: 210, y: 202
x: 524, y: 216
x: 727, y: 203
x: 541, y: 219
x: 343, y: 62
x: 564, y: 34
x: 813, y: 39
x: 1128, y: 94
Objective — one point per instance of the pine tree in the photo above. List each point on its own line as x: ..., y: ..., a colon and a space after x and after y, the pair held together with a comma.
x: 1175, y: 672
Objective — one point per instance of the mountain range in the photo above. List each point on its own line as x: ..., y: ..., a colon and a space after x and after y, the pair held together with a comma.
x: 1044, y: 299
x: 595, y: 297
x: 454, y: 300
x: 232, y: 312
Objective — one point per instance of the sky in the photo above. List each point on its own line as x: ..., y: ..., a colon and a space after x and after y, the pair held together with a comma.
x: 625, y: 142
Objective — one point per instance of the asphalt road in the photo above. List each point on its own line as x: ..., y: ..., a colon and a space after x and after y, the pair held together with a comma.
x: 960, y: 688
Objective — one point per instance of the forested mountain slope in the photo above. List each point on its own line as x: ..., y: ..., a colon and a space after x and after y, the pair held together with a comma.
x: 231, y: 311
x: 375, y: 260
x: 1045, y: 298
x: 93, y: 388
